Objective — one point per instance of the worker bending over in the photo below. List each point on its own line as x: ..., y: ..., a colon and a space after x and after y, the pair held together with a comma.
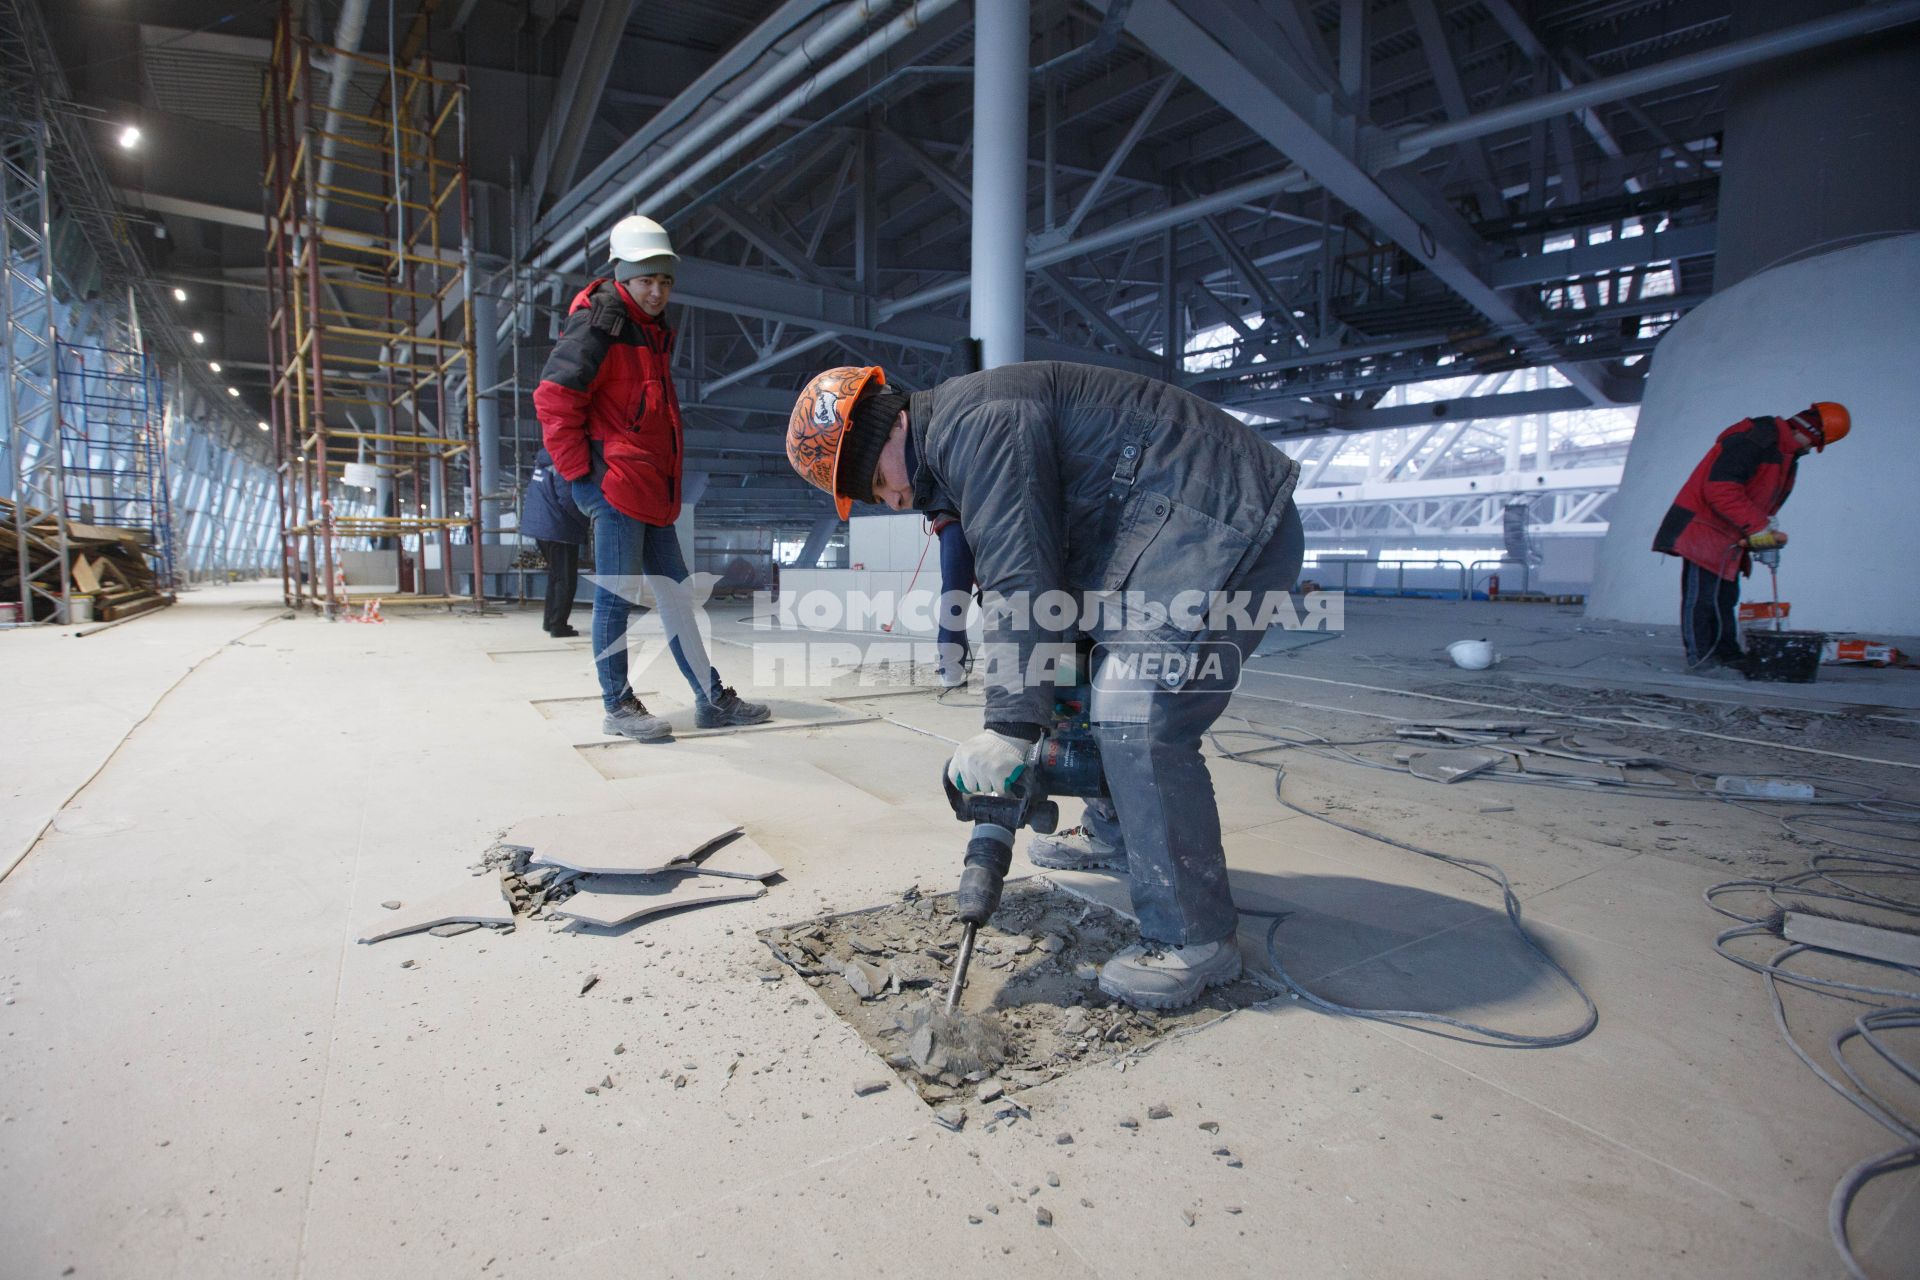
x: 611, y: 420
x: 1069, y: 478
x: 1725, y: 511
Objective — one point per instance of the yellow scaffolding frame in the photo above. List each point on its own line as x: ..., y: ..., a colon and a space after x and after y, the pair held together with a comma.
x: 358, y: 319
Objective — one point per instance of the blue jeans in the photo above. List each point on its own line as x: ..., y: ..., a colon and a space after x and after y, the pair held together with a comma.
x: 956, y: 592
x: 1168, y: 818
x: 625, y: 549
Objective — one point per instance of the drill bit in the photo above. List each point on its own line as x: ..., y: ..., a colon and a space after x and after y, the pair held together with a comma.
x: 960, y: 968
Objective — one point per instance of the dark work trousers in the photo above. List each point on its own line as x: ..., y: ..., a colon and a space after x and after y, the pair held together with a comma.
x: 1708, y: 603
x: 1150, y: 751
x: 956, y: 593
x: 563, y: 579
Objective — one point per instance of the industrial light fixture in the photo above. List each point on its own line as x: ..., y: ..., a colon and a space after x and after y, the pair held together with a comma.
x: 179, y: 294
x: 130, y: 137
x: 198, y: 338
x: 261, y: 425
x: 233, y: 391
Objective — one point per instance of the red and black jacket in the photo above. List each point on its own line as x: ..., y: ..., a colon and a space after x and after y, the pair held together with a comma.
x: 607, y: 406
x: 1734, y: 492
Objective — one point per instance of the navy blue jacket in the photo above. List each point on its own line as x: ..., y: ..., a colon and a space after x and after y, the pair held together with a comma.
x: 548, y: 513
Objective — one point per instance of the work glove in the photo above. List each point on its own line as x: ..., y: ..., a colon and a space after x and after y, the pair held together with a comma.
x: 1768, y: 539
x: 987, y: 763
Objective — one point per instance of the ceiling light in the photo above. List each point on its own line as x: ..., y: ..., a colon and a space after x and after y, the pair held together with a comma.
x: 261, y: 425
x: 198, y: 337
x: 233, y: 391
x: 179, y: 294
x: 129, y: 137
x: 214, y: 365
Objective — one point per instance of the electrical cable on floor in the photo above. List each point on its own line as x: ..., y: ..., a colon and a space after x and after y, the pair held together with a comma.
x: 1840, y: 808
x: 1490, y: 1037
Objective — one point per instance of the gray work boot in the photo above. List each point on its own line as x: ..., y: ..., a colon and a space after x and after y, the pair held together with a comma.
x: 730, y: 709
x: 1152, y: 976
x: 629, y: 719
x: 1076, y: 849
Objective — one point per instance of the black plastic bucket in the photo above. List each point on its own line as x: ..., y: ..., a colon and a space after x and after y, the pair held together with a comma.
x: 1789, y: 656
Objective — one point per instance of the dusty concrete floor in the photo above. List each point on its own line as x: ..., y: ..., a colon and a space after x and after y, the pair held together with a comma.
x: 206, y: 1076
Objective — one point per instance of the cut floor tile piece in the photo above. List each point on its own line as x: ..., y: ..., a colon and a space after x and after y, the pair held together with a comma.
x: 624, y: 843
x: 1451, y: 766
x: 608, y: 901
x: 741, y: 858
x: 480, y: 900
x: 1560, y: 767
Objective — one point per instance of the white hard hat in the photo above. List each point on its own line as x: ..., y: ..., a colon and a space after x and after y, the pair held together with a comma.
x: 639, y: 246
x: 1471, y: 655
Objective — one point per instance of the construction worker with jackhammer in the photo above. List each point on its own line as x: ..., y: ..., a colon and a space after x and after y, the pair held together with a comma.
x: 1725, y: 513
x: 1093, y: 485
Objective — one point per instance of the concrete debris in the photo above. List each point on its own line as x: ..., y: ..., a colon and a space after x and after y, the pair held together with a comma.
x: 592, y: 980
x: 1063, y: 1139
x: 954, y: 1118
x: 1129, y: 1122
x: 1211, y: 1126
x: 740, y: 858
x: 391, y: 904
x: 626, y: 843
x: 453, y: 930
x: 1035, y: 962
x: 1053, y: 1179
x: 610, y: 901
x: 481, y: 900
x: 1187, y: 1216
x: 866, y: 1087
x: 1233, y: 1208
x: 1452, y: 766
x: 1043, y: 1215
x: 1235, y: 1163
x: 1159, y: 1111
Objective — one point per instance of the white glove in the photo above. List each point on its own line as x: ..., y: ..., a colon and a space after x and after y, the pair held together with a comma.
x: 987, y: 763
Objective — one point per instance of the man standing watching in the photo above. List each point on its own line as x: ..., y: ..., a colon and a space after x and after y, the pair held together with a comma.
x: 548, y: 516
x: 611, y: 420
x: 1725, y: 511
x: 1075, y: 479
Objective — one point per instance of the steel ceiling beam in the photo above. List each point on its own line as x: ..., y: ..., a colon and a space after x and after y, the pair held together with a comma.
x: 577, y: 93
x: 1225, y: 55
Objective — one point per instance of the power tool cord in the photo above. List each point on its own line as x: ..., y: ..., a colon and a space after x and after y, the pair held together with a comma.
x: 1491, y: 1037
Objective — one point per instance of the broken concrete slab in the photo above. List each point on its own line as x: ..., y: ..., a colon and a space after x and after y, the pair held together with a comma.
x: 626, y: 842
x: 1452, y: 766
x: 477, y: 899
x: 609, y: 901
x: 741, y: 858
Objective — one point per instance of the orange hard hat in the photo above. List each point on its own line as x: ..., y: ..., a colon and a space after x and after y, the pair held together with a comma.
x: 1825, y: 421
x: 819, y: 426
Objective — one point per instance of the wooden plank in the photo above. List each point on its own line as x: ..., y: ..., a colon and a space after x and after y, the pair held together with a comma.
x: 85, y: 576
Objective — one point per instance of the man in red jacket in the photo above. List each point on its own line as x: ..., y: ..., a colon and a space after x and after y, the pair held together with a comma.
x: 611, y: 419
x: 1725, y: 511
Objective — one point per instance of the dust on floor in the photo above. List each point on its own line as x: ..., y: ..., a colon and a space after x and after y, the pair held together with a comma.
x: 1035, y: 973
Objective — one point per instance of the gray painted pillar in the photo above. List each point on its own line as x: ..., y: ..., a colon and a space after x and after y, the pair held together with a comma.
x: 816, y: 544
x: 1819, y: 148
x: 999, y: 285
x: 383, y: 457
x: 485, y: 372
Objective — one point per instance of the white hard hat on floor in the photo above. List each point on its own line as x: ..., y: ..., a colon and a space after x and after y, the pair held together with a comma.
x: 639, y: 246
x: 1473, y: 655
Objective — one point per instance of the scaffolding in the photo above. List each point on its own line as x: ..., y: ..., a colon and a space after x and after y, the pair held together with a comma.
x: 360, y: 312
x: 37, y: 515
x: 112, y: 447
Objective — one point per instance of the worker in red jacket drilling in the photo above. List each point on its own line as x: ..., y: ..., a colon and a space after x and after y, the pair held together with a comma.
x: 1725, y: 511
x: 611, y: 420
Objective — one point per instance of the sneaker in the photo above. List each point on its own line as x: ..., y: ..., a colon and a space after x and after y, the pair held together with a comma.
x: 631, y: 720
x: 1151, y: 976
x: 1076, y: 849
x: 950, y: 675
x: 730, y: 709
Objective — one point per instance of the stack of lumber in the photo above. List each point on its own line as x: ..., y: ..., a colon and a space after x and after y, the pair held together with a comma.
x: 104, y: 561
